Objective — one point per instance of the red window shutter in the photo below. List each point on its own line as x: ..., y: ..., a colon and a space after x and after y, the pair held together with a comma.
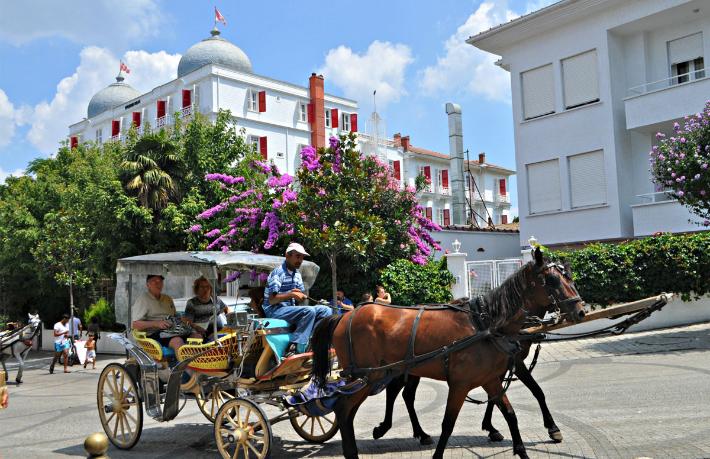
x: 397, y: 170
x: 161, y: 109
x: 262, y: 101
x: 447, y: 217
x: 311, y: 113
x: 427, y: 173
x: 353, y: 122
x: 74, y: 142
x: 137, y: 119
x: 262, y: 147
x: 445, y: 179
x: 502, y: 187
x: 504, y: 219
x: 115, y: 128
x: 334, y: 118
x: 429, y: 212
x: 186, y: 98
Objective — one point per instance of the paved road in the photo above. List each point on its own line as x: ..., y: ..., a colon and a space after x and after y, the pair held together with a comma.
x: 632, y: 396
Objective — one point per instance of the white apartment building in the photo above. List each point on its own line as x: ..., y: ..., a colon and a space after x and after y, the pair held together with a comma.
x: 280, y: 118
x: 592, y: 82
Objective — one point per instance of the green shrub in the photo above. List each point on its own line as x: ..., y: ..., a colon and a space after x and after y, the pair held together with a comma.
x: 104, y: 311
x: 410, y: 283
x: 629, y: 271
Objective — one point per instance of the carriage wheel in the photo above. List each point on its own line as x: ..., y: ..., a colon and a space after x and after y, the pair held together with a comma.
x: 315, y: 429
x: 120, y: 407
x: 242, y: 430
x: 210, y: 402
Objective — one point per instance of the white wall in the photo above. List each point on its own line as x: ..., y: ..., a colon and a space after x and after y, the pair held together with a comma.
x: 495, y: 245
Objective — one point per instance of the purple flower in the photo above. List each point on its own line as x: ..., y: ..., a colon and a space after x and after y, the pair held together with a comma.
x: 214, y: 233
x: 704, y: 166
x: 211, y: 212
x: 263, y: 277
x: 681, y: 194
x: 289, y: 195
x: 321, y: 191
x: 232, y: 277
x: 224, y: 178
x: 261, y: 166
x: 706, y: 223
x: 283, y: 181
x: 334, y: 142
x: 195, y: 229
x: 697, y: 177
x: 309, y: 158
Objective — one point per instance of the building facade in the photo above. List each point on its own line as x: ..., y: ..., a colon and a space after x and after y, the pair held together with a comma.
x: 279, y: 119
x: 592, y: 81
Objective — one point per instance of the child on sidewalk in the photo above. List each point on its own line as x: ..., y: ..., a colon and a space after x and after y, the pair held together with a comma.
x: 90, y: 351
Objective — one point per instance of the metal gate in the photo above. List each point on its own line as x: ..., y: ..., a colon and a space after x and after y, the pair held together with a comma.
x: 484, y: 276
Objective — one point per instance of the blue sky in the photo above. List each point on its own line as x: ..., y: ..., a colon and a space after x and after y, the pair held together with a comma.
x: 56, y: 55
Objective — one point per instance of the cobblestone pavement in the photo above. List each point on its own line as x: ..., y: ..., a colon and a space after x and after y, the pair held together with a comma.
x: 630, y: 396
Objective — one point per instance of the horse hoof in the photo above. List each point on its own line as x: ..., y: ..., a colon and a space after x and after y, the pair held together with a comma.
x: 18, y: 381
x: 555, y: 434
x: 378, y: 432
x: 425, y: 440
x: 520, y: 451
x: 495, y: 436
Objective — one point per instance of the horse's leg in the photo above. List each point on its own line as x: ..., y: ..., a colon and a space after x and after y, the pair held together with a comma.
x: 409, y: 394
x: 393, y: 389
x: 487, y: 425
x: 454, y: 401
x: 21, y: 360
x: 345, y: 409
x: 494, y: 389
x: 521, y: 371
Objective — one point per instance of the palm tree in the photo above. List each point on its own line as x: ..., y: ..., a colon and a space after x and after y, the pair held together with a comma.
x: 153, y: 170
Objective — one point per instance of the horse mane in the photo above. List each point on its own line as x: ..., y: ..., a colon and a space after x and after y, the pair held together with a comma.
x: 504, y: 302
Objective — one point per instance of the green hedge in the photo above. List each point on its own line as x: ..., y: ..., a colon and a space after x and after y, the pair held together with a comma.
x: 629, y: 271
x: 104, y: 311
x: 410, y: 283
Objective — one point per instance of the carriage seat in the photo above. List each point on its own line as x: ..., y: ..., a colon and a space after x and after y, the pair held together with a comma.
x: 278, y: 342
x: 152, y: 347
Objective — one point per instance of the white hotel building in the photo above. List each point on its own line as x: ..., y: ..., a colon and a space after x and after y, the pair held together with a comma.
x: 592, y: 82
x: 280, y: 118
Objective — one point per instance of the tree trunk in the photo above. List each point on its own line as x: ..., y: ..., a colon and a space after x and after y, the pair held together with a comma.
x: 71, y: 309
x: 334, y: 278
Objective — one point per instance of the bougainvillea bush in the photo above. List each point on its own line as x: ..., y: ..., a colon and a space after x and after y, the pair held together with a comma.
x: 340, y: 204
x: 680, y: 163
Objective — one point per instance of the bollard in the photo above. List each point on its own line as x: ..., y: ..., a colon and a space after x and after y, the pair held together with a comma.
x: 96, y: 445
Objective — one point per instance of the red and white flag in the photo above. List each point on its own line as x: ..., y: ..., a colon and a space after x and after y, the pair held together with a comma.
x: 218, y: 17
x: 124, y: 68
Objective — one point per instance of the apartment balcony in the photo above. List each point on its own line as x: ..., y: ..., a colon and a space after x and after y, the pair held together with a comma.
x: 186, y: 112
x: 658, y: 212
x: 665, y: 100
x: 445, y: 191
x: 502, y: 198
x: 163, y: 121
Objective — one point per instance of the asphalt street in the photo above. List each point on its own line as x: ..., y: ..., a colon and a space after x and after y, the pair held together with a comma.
x: 631, y: 396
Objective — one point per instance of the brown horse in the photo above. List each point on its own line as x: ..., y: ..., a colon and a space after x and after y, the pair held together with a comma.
x: 379, y: 336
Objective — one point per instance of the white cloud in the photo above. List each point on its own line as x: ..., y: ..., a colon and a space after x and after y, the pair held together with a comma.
x: 10, y: 118
x: 464, y: 67
x: 92, y: 22
x: 380, y: 68
x: 4, y: 175
x: 97, y: 69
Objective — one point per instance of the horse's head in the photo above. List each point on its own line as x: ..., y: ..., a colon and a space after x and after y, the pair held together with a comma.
x: 552, y: 287
x: 33, y: 319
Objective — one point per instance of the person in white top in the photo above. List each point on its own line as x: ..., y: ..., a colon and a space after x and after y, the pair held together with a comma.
x: 61, y: 343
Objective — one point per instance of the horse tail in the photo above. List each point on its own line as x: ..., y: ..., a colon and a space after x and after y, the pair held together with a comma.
x: 320, y: 342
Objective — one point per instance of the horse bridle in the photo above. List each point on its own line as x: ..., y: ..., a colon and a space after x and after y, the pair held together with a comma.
x: 556, y: 304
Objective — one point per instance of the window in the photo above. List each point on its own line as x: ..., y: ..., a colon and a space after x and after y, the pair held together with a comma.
x: 253, y: 140
x: 99, y: 135
x: 302, y: 112
x: 581, y: 84
x: 345, y: 121
x: 440, y: 219
x: 538, y: 92
x: 544, y: 186
x: 327, y: 117
x: 587, y: 179
x: 685, y: 56
x: 253, y: 100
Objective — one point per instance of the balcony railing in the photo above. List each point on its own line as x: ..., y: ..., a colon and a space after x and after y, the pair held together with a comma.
x: 163, y: 121
x: 186, y: 111
x: 666, y: 83
x: 445, y: 190
x: 658, y: 196
x: 502, y: 197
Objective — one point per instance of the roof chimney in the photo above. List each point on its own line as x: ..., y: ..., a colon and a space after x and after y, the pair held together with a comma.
x: 317, y: 94
x: 458, y: 192
x: 405, y: 142
x: 482, y: 158
x: 397, y: 139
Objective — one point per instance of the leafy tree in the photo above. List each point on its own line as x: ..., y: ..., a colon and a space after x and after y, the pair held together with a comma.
x: 341, y: 204
x: 680, y: 163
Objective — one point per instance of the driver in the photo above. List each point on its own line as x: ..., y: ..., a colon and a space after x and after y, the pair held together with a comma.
x: 284, y: 289
x: 150, y: 311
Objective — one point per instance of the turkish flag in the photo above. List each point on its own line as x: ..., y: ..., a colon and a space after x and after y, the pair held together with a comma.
x: 124, y: 68
x: 218, y: 17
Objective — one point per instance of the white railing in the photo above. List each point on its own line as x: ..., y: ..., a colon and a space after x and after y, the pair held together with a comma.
x: 659, y: 196
x: 163, y: 121
x: 115, y: 138
x: 502, y: 197
x: 666, y: 83
x: 186, y: 111
x: 445, y: 190
x: 428, y: 188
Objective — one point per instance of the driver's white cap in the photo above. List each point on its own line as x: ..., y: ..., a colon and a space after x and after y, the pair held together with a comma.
x: 295, y: 246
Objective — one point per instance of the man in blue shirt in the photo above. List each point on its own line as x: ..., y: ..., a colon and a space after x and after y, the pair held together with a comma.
x: 284, y: 289
x: 344, y: 303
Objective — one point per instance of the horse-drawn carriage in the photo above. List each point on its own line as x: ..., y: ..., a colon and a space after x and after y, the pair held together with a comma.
x: 16, y: 341
x: 230, y: 378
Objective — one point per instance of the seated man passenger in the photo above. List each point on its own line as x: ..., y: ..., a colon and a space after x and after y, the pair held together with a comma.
x: 284, y: 289
x: 150, y: 311
x: 199, y: 310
